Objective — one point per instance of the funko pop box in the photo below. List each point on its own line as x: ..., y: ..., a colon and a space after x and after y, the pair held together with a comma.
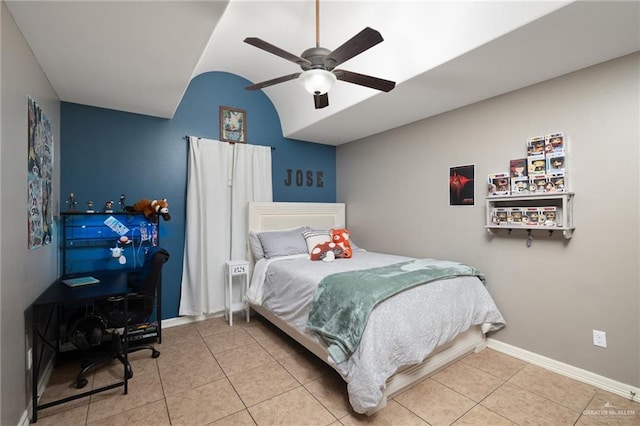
x: 552, y: 216
x: 500, y: 215
x: 498, y: 184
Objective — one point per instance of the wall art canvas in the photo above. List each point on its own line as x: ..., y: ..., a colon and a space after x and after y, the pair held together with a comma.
x: 233, y: 125
x: 39, y: 177
x: 461, y: 190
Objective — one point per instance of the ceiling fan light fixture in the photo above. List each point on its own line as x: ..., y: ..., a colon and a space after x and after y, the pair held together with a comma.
x: 317, y: 81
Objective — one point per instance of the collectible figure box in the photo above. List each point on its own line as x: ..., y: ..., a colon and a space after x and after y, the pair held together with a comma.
x: 556, y: 162
x: 532, y: 216
x: 536, y: 165
x: 520, y: 185
x: 556, y: 183
x: 535, y: 146
x: 500, y: 216
x: 518, y: 168
x: 537, y: 184
x: 554, y: 143
x: 498, y: 184
x: 552, y: 216
x: 516, y: 216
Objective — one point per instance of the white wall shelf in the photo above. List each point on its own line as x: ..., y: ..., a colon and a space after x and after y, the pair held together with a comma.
x: 561, y: 201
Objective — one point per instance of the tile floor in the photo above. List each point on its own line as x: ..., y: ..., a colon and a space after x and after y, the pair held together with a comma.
x: 213, y: 374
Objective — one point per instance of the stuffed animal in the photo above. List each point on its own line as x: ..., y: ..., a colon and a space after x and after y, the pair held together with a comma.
x: 340, y: 236
x: 326, y: 251
x: 151, y: 209
x: 337, y: 246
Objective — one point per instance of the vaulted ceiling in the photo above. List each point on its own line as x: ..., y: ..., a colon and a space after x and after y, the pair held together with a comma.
x: 139, y: 56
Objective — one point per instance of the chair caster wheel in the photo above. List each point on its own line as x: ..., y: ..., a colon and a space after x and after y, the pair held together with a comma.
x: 129, y: 372
x: 155, y: 354
x: 80, y: 383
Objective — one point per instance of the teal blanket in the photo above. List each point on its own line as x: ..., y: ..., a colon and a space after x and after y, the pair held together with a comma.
x: 343, y: 301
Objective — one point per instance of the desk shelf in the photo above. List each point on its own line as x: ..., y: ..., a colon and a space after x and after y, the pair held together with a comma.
x: 86, y: 241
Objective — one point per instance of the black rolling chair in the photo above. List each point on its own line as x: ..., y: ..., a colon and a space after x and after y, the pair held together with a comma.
x: 109, y: 316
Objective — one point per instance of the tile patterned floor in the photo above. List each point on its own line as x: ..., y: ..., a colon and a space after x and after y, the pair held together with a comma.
x: 252, y: 374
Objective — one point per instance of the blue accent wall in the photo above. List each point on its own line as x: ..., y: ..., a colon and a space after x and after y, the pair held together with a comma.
x: 105, y: 153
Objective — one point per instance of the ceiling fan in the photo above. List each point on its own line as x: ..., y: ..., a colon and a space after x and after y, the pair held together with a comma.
x: 318, y: 64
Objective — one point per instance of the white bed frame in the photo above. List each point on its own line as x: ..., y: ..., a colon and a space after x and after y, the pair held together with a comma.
x: 277, y: 216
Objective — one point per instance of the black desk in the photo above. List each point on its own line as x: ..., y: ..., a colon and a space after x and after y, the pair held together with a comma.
x: 112, y: 284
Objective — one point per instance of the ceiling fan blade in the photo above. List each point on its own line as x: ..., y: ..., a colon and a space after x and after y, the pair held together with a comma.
x: 365, y: 80
x: 261, y: 44
x: 321, y: 101
x: 362, y: 41
x: 272, y: 81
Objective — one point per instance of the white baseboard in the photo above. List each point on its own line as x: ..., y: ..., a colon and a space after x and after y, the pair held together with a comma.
x: 174, y: 322
x: 601, y: 382
x: 43, y: 380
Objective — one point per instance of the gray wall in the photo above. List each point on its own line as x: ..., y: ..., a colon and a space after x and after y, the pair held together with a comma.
x: 555, y: 293
x: 24, y: 273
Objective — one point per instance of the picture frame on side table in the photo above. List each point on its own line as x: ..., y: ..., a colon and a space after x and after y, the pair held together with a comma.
x: 233, y: 125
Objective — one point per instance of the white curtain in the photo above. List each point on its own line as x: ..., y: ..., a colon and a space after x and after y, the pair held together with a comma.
x: 222, y: 179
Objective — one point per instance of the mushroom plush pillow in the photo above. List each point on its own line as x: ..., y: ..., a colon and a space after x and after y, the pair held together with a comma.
x: 327, y: 251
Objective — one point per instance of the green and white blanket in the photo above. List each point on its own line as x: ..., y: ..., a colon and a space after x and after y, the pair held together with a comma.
x: 344, y: 301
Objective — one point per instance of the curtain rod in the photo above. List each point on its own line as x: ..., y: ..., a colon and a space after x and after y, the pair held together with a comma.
x: 186, y: 137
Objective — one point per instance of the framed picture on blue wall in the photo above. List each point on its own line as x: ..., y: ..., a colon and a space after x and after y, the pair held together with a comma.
x: 233, y: 125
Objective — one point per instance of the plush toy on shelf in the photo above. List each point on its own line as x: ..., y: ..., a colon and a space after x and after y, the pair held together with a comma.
x: 151, y: 209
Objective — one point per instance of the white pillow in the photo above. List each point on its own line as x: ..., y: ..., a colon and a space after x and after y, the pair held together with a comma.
x: 314, y: 237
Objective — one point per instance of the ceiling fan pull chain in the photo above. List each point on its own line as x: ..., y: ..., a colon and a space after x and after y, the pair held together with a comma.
x: 317, y: 23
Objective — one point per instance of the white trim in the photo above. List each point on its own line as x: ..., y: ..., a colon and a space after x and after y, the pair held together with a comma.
x: 25, y: 420
x: 43, y: 381
x: 622, y: 389
x: 189, y: 319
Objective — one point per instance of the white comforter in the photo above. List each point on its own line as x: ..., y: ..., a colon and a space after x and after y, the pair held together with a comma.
x: 402, y: 330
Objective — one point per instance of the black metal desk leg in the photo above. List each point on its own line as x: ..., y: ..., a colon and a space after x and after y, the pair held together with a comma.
x: 126, y: 345
x: 35, y: 365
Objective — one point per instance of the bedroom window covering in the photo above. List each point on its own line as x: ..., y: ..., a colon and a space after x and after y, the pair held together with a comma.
x: 222, y: 179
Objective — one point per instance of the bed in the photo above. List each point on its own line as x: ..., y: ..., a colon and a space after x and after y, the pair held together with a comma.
x: 386, y: 359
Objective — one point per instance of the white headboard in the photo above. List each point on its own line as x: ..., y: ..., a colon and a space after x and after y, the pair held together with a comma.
x: 274, y: 216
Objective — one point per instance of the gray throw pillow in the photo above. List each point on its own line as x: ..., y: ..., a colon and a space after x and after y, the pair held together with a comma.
x: 255, y: 245
x: 283, y: 243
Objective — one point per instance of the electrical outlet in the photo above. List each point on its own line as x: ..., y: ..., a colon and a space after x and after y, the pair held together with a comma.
x: 600, y: 338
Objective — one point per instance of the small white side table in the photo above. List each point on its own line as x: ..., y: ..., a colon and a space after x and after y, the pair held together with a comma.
x: 236, y: 268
